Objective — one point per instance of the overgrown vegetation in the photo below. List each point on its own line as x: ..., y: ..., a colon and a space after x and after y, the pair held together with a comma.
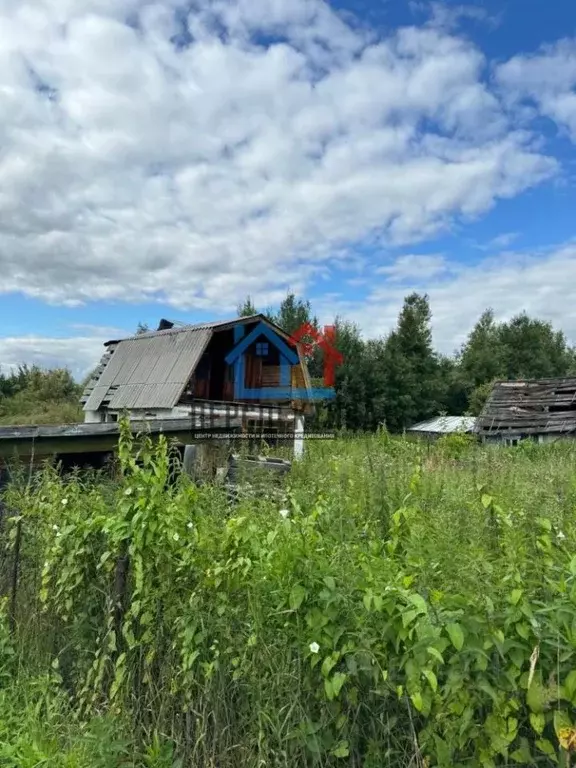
x: 31, y: 395
x: 405, y: 604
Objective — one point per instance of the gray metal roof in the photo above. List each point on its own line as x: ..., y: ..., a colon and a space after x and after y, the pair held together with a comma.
x: 149, y: 370
x: 445, y: 425
x: 180, y: 327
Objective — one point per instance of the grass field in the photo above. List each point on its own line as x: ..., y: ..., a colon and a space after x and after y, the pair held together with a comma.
x: 400, y: 605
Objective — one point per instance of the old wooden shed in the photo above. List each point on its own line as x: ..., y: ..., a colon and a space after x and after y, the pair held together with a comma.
x: 540, y: 409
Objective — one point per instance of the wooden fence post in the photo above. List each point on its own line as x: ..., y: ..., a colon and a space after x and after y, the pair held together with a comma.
x: 15, y: 572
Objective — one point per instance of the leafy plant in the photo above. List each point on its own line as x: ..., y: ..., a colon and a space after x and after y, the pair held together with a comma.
x: 401, y: 604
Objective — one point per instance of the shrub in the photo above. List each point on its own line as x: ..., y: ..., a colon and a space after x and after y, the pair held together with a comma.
x: 384, y: 615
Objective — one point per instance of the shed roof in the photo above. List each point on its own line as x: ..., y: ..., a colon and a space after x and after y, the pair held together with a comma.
x: 150, y: 370
x: 445, y: 425
x: 170, y: 327
x: 530, y: 407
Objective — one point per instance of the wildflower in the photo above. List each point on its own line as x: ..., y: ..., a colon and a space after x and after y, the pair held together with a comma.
x: 128, y: 492
x: 54, y: 527
x: 314, y: 647
x: 560, y: 536
x: 176, y: 537
x: 64, y: 502
x: 284, y: 513
x: 190, y: 526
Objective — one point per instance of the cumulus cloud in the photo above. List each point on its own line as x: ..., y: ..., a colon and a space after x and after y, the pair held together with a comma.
x: 547, y: 81
x: 191, y: 153
x: 539, y: 283
x: 79, y: 353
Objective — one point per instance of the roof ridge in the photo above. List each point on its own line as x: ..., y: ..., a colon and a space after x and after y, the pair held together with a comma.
x: 205, y: 325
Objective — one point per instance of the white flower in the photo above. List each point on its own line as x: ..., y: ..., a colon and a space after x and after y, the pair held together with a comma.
x: 284, y: 513
x: 560, y: 535
x: 176, y: 537
x: 64, y: 502
x: 128, y: 492
x: 54, y: 527
x: 190, y: 526
x: 314, y: 647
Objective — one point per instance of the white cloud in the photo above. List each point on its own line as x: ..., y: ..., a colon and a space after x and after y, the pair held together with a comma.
x: 78, y: 353
x: 414, y: 265
x: 547, y: 80
x: 499, y: 242
x: 539, y: 283
x: 449, y: 16
x: 152, y: 153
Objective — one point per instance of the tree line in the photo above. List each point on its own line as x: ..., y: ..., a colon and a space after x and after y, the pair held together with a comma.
x: 396, y: 381
x: 400, y: 379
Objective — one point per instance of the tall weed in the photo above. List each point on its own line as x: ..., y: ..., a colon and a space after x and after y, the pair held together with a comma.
x: 408, y: 604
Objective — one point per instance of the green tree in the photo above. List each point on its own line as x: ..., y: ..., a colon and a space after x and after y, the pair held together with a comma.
x: 453, y: 392
x: 479, y: 396
x: 533, y: 349
x: 482, y: 356
x: 523, y: 348
x: 348, y: 409
x: 293, y: 314
x: 412, y: 383
x: 247, y: 308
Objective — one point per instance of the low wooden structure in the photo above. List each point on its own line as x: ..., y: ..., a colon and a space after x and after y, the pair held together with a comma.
x: 541, y: 409
x: 25, y: 441
x: 92, y: 445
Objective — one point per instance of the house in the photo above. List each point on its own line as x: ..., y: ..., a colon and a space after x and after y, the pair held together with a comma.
x: 247, y: 369
x: 541, y: 409
x: 443, y: 425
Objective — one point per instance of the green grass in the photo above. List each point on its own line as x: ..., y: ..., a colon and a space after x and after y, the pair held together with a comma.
x: 21, y: 410
x: 398, y: 604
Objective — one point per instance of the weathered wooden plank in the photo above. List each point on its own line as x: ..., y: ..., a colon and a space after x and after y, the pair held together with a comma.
x: 530, y: 407
x: 88, y: 438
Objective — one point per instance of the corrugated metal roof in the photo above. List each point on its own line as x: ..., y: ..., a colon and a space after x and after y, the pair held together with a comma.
x: 182, y: 327
x: 150, y: 370
x: 446, y: 425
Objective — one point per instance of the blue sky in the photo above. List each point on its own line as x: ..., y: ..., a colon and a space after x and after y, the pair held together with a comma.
x: 167, y: 158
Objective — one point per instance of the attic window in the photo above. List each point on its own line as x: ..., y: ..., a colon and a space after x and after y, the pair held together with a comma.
x: 262, y: 349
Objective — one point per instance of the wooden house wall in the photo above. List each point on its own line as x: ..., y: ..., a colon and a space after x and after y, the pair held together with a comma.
x: 214, y: 379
